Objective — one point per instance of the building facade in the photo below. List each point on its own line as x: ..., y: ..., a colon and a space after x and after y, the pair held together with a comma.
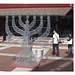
x: 61, y: 16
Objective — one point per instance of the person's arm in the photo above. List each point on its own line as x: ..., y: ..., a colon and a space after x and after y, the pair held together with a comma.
x: 53, y: 39
x: 58, y: 36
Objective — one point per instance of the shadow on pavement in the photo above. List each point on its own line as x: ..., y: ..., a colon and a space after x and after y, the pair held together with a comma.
x: 55, y: 65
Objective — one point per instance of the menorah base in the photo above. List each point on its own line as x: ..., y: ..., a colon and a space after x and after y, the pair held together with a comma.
x: 26, y: 64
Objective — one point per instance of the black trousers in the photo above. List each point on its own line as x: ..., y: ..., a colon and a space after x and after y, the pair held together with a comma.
x: 57, y: 46
x: 4, y: 37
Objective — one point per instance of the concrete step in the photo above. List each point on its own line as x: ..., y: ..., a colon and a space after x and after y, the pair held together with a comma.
x: 46, y: 44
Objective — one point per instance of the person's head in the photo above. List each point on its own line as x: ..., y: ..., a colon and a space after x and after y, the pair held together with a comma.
x: 54, y: 31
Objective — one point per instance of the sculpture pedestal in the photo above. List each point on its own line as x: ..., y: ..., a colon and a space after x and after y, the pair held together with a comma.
x: 26, y: 64
x: 38, y: 52
x: 26, y: 58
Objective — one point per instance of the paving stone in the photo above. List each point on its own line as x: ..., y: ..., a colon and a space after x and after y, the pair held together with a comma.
x: 62, y: 53
x: 55, y: 65
x: 11, y: 50
x: 5, y: 63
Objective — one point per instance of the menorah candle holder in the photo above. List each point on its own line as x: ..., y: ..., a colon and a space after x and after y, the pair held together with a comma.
x: 26, y: 56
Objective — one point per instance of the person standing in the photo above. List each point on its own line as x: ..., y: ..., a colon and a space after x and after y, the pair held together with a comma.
x: 70, y: 43
x: 55, y: 42
x: 4, y: 33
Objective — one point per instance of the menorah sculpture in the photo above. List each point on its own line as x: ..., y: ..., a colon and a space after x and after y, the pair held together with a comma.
x: 26, y: 56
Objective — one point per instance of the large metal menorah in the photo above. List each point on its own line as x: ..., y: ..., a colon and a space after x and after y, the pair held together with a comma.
x: 26, y: 56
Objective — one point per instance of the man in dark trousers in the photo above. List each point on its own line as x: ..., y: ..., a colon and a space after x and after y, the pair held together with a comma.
x: 55, y: 42
x: 4, y: 37
x: 4, y: 33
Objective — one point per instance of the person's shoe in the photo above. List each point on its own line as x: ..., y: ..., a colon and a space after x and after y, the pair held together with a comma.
x: 70, y: 53
x: 57, y: 55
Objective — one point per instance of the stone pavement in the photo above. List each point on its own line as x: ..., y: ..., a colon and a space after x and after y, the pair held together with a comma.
x: 64, y: 62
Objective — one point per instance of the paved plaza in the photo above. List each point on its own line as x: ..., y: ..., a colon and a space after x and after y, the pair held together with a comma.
x: 64, y: 62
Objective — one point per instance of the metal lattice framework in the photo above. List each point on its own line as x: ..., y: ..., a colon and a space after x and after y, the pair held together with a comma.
x: 26, y: 56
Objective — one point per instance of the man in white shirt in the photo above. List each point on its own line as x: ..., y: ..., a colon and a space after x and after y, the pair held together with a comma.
x: 55, y: 43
